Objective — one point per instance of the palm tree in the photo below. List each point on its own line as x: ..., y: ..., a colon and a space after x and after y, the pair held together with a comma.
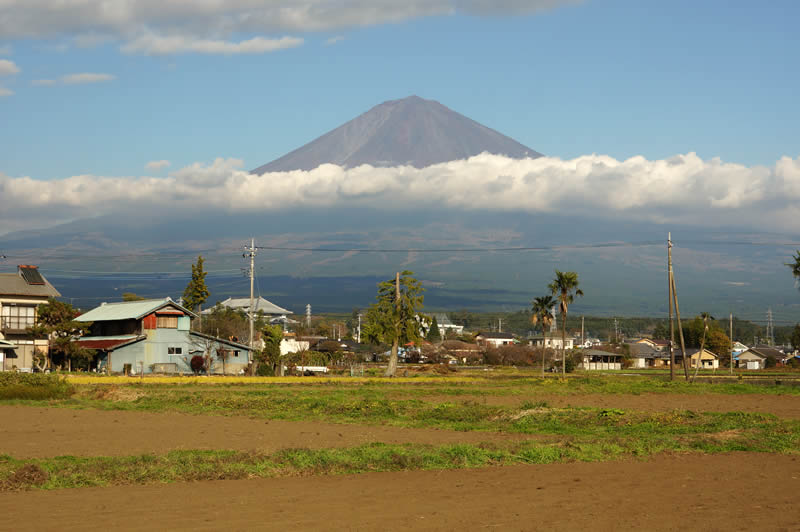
x: 565, y: 288
x: 794, y: 266
x: 543, y: 312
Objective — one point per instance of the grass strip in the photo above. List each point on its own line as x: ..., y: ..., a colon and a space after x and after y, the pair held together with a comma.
x: 75, y: 472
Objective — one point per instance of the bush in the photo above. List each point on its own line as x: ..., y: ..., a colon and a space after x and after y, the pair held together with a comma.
x: 34, y: 386
x: 197, y: 363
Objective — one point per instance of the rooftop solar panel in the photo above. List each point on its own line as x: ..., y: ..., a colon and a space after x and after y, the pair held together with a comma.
x: 31, y: 275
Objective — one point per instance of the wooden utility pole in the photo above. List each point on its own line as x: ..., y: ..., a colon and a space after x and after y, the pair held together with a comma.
x: 671, y: 323
x: 583, y: 337
x: 680, y: 329
x: 392, y: 368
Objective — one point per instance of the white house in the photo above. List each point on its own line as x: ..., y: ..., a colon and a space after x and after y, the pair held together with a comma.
x: 756, y: 358
x: 446, y: 327
x: 551, y: 342
x: 494, y: 339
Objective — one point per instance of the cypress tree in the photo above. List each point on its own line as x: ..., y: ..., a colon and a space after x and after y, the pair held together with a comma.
x: 196, y: 292
x: 433, y: 332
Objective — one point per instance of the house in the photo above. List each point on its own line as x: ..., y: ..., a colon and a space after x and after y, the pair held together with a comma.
x: 659, y: 345
x: 739, y: 347
x: 155, y: 336
x: 259, y: 304
x: 756, y: 357
x: 709, y: 360
x: 494, y: 339
x: 551, y: 342
x: 643, y: 355
x: 20, y: 294
x: 594, y: 359
x: 447, y: 327
x: 463, y: 351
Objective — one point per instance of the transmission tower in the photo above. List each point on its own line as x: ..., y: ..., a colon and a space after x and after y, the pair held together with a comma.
x: 770, y: 328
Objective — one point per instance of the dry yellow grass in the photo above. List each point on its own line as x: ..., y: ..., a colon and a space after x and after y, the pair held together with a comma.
x: 214, y: 379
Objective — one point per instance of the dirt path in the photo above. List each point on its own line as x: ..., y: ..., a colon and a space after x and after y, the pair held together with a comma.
x: 784, y: 406
x: 30, y: 432
x: 743, y: 492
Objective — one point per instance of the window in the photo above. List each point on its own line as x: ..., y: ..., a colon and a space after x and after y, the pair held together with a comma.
x: 166, y: 322
x: 18, y: 317
x: 236, y: 353
x: 174, y: 350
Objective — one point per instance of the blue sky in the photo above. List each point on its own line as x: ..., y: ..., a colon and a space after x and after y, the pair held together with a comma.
x: 620, y: 78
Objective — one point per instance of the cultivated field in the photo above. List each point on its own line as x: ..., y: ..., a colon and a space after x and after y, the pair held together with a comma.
x: 502, y: 450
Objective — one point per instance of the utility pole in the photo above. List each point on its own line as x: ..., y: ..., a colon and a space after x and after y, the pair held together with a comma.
x: 499, y: 325
x: 251, y: 252
x: 583, y: 338
x: 671, y: 323
x: 358, y: 337
x: 731, y: 329
x: 680, y: 329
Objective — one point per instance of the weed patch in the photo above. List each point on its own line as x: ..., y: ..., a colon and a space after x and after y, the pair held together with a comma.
x: 34, y: 386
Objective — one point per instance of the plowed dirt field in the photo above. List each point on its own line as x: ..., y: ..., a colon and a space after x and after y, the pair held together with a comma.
x: 784, y: 406
x: 679, y: 492
x: 32, y: 432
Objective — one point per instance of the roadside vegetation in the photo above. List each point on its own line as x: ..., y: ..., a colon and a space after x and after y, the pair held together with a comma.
x: 34, y: 386
x: 592, y: 435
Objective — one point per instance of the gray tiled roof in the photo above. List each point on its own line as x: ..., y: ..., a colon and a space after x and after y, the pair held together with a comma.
x: 243, y: 303
x: 12, y: 284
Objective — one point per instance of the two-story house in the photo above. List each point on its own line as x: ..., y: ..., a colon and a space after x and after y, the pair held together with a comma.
x: 155, y: 336
x: 20, y: 294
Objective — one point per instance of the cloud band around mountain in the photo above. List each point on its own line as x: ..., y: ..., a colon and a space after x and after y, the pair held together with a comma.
x: 683, y: 189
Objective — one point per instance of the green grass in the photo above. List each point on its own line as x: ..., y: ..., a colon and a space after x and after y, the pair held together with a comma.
x: 766, y: 435
x: 33, y: 386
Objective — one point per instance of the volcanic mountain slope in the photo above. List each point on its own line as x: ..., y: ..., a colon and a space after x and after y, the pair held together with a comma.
x: 412, y: 131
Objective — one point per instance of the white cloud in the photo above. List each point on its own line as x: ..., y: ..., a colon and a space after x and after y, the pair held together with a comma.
x: 81, y: 78
x: 151, y: 44
x: 334, y: 40
x: 157, y: 165
x: 8, y: 68
x: 682, y: 189
x: 86, y: 77
x: 216, y: 20
x: 5, y: 92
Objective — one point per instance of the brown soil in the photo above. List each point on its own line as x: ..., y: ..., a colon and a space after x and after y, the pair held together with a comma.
x: 31, y: 432
x: 737, y: 492
x: 784, y: 406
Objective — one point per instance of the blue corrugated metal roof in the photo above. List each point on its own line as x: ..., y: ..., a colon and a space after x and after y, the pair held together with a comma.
x: 127, y: 310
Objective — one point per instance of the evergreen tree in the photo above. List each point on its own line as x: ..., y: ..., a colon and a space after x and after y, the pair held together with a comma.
x: 434, y: 336
x: 196, y: 292
x: 395, y: 317
x: 270, y: 356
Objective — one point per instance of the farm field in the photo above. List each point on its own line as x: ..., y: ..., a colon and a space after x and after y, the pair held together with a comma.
x: 436, y: 453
